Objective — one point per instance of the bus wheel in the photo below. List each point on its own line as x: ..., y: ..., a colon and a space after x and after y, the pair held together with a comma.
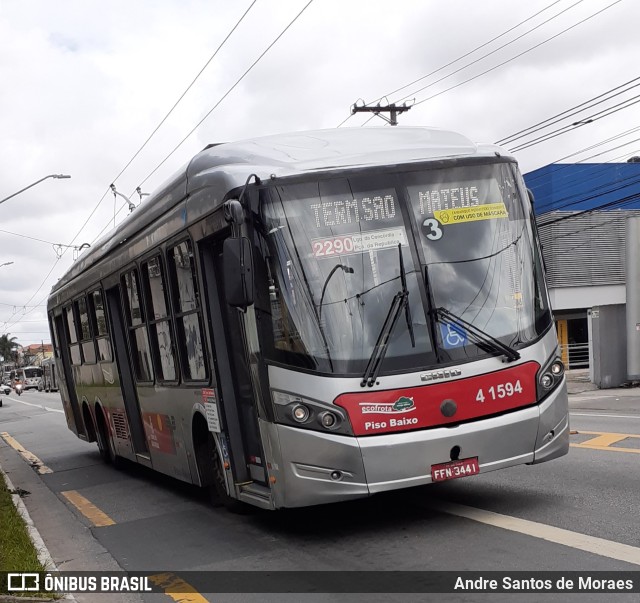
x: 217, y: 485
x: 104, y: 445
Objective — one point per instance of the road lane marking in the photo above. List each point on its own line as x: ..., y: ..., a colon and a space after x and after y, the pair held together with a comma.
x: 605, y: 441
x: 27, y: 403
x: 593, y: 414
x: 97, y: 517
x: 54, y: 409
x: 176, y: 588
x: 31, y: 458
x: 602, y: 439
x: 39, y: 406
x: 583, y: 542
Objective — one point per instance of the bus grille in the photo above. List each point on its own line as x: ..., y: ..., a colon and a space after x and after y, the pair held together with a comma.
x: 120, y: 425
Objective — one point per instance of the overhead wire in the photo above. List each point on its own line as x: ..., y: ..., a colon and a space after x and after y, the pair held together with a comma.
x: 567, y: 112
x: 517, y: 56
x: 583, y: 122
x: 224, y: 96
x: 149, y: 138
x: 450, y: 63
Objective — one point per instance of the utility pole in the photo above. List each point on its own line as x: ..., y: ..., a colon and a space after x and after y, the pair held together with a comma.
x: 392, y: 109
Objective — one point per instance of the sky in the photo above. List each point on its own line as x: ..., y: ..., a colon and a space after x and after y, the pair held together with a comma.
x: 126, y: 92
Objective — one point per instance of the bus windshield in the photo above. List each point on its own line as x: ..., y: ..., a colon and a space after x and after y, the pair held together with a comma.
x: 332, y: 250
x: 32, y: 372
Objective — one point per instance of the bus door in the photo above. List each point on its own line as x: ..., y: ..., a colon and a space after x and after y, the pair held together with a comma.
x: 234, y: 376
x: 68, y: 377
x: 123, y: 362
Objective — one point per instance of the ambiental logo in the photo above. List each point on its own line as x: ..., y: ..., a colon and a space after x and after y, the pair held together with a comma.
x: 400, y: 406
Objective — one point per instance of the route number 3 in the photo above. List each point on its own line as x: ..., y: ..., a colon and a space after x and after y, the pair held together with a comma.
x: 434, y: 231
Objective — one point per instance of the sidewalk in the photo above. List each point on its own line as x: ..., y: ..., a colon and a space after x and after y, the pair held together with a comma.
x: 585, y: 395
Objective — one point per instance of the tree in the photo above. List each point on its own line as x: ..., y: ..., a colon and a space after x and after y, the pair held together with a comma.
x: 8, y: 347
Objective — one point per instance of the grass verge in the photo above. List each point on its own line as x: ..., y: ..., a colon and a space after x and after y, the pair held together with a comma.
x: 17, y: 553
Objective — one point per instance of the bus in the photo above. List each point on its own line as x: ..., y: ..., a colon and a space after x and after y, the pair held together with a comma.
x: 49, y: 381
x: 316, y: 317
x: 29, y: 376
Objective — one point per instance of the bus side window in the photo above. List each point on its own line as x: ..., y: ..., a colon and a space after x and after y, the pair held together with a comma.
x: 72, y: 334
x: 159, y: 320
x: 99, y: 320
x: 138, y: 338
x: 186, y: 307
x: 88, y: 347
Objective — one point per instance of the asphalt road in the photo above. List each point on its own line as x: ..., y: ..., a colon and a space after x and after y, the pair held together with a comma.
x: 521, y: 519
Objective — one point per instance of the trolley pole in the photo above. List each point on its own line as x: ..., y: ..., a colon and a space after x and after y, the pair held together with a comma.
x: 392, y: 109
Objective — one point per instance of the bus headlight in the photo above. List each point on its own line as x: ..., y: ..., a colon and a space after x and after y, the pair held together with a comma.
x: 300, y: 412
x: 549, y: 377
x: 328, y: 419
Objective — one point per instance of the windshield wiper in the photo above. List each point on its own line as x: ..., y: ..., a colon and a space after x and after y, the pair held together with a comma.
x: 486, y: 341
x: 399, y: 302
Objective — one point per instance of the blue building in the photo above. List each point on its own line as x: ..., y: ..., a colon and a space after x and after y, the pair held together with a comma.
x: 583, y: 213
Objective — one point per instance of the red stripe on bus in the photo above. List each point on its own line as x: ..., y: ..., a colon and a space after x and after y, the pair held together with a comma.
x: 375, y: 412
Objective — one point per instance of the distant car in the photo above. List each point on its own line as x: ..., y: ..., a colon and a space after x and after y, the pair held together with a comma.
x: 5, y: 389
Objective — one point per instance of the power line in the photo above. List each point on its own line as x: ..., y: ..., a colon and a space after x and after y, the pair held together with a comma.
x: 564, y: 114
x: 589, y: 148
x: 164, y: 119
x: 514, y: 57
x: 504, y: 33
x: 526, y: 33
x: 587, y: 120
x: 147, y: 141
x: 230, y: 90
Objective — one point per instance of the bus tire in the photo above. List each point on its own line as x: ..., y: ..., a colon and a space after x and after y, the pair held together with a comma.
x: 217, y: 485
x: 104, y: 445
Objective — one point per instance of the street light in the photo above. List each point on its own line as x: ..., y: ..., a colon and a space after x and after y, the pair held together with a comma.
x: 36, y: 182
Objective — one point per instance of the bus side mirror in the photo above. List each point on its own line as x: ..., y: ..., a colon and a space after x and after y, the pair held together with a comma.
x: 238, y: 272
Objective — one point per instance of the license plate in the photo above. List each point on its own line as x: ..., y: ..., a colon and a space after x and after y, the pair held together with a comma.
x: 455, y: 469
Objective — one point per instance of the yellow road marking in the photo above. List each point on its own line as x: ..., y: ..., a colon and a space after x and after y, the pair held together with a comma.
x: 598, y: 433
x: 605, y: 441
x: 576, y: 540
x: 608, y: 448
x: 97, y: 517
x: 31, y: 458
x: 176, y: 588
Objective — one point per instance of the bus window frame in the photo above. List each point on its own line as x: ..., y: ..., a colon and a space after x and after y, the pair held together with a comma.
x: 152, y: 321
x: 89, y: 342
x: 93, y: 319
x: 130, y: 328
x: 75, y: 347
x: 177, y: 313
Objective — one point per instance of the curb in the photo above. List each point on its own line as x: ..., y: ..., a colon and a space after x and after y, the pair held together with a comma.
x: 43, y: 552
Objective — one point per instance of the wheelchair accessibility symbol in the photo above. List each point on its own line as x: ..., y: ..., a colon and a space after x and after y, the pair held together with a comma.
x: 452, y: 336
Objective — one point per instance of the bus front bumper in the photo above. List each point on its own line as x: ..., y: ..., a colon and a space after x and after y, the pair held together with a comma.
x: 316, y: 468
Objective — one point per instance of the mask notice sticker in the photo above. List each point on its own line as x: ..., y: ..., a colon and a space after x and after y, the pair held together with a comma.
x: 460, y: 215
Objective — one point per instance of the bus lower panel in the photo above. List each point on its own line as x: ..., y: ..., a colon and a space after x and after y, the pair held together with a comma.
x: 367, y: 465
x: 553, y: 433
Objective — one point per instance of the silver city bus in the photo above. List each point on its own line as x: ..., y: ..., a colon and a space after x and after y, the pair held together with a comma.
x: 316, y: 317
x: 49, y: 382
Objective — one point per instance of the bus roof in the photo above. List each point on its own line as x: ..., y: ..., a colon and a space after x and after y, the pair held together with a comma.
x: 226, y: 166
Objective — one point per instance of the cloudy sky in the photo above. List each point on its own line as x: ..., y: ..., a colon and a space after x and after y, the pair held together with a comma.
x: 84, y: 84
